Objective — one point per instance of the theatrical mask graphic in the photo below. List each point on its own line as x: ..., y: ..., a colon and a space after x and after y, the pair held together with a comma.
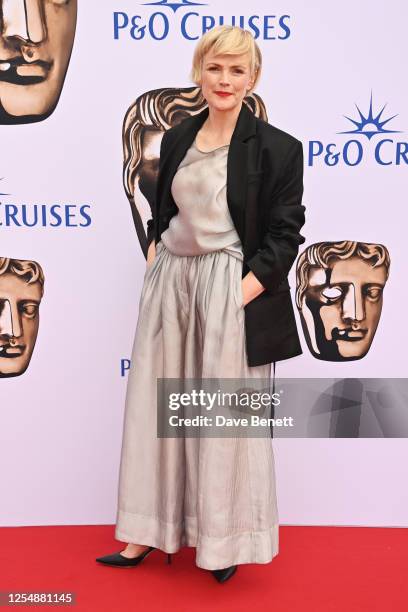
x: 36, y: 38
x: 145, y: 122
x: 21, y: 291
x: 339, y: 294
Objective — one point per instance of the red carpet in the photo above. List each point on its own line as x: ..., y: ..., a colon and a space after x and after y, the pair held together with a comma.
x: 343, y: 569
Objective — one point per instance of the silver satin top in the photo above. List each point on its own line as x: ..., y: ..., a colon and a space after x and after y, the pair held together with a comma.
x: 203, y: 222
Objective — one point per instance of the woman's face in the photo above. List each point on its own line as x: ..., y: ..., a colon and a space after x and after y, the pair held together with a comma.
x: 225, y: 73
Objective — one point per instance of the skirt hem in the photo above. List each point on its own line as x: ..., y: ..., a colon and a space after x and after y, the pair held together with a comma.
x: 212, y: 552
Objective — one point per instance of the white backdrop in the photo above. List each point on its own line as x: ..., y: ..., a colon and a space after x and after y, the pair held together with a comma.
x: 61, y: 421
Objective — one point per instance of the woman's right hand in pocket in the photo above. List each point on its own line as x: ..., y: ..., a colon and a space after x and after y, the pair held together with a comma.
x: 151, y: 254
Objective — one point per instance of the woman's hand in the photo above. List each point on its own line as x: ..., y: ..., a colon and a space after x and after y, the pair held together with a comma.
x: 151, y: 254
x: 251, y: 288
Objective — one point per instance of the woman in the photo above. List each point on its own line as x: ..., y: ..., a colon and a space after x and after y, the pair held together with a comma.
x: 228, y: 200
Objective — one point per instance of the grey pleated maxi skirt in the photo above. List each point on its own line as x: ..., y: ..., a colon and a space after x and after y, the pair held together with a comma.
x: 215, y: 494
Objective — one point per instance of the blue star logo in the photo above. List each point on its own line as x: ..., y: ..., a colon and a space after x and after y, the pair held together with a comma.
x: 369, y: 125
x: 1, y: 179
x: 175, y: 5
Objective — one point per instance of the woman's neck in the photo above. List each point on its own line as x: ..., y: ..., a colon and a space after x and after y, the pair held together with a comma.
x: 218, y: 128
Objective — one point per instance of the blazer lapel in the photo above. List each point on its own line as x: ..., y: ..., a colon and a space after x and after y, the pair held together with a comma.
x: 237, y: 165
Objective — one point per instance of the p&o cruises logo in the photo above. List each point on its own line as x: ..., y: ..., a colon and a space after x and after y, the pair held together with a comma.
x: 373, y: 125
x: 42, y: 215
x: 191, y: 24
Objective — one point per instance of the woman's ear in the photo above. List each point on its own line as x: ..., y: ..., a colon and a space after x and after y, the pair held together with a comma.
x: 251, y: 83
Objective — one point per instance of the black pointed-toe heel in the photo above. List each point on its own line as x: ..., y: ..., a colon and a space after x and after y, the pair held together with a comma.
x: 118, y: 560
x: 223, y: 574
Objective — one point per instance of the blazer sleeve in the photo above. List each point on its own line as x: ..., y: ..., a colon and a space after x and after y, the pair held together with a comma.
x: 285, y: 217
x: 151, y: 221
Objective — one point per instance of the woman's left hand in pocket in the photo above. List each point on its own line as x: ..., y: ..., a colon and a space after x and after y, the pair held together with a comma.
x: 250, y: 288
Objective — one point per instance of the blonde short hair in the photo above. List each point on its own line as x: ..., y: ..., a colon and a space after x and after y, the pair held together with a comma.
x: 227, y: 39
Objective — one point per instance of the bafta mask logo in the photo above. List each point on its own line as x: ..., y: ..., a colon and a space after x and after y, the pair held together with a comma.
x: 36, y: 38
x: 339, y: 294
x: 145, y: 122
x: 21, y: 291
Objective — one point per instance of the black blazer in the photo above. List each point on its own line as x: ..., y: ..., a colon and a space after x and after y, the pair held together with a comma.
x: 264, y: 193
